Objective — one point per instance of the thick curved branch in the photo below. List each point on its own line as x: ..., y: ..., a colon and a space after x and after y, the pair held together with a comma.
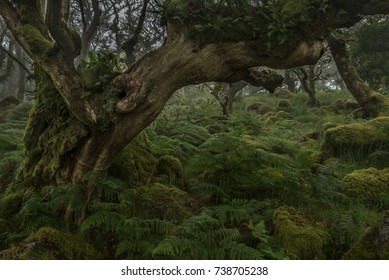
x: 220, y: 62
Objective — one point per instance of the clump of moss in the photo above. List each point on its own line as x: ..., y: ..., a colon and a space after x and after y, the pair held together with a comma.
x: 259, y: 108
x: 345, y: 105
x: 379, y: 159
x: 10, y: 203
x: 374, y: 244
x: 284, y: 105
x: 296, y: 10
x: 162, y: 202
x: 51, y: 244
x: 370, y: 186
x: 326, y: 110
x: 357, y: 140
x: 300, y: 234
x: 36, y: 40
x: 283, y: 93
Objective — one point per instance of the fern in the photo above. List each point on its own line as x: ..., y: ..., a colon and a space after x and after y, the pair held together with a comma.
x: 139, y: 237
x: 105, y: 220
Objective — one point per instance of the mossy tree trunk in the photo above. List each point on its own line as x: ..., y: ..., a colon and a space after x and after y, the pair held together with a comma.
x: 75, y: 129
x: 372, y: 103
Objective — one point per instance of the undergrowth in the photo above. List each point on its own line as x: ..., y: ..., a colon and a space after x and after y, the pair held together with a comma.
x: 198, y: 185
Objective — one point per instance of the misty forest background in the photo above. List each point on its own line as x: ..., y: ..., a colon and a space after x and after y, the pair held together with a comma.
x: 227, y: 170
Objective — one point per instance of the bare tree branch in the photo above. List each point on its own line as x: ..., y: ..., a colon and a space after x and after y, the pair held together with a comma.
x: 14, y: 58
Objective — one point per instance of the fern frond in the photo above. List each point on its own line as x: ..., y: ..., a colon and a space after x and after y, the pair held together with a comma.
x: 240, y: 251
x: 106, y: 220
x: 174, y: 246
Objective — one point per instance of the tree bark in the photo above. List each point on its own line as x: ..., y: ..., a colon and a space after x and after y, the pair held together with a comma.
x: 307, y: 79
x: 372, y: 103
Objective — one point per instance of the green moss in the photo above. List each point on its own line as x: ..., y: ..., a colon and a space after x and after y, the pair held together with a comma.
x: 283, y: 93
x: 284, y: 105
x: 51, y: 133
x: 162, y: 202
x: 357, y: 141
x: 259, y: 108
x: 36, y: 40
x: 10, y: 204
x: 379, y: 159
x: 369, y: 186
x: 51, y: 244
x: 295, y: 10
x: 374, y: 244
x: 300, y: 234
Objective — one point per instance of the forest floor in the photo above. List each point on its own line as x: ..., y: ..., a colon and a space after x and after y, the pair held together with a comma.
x: 279, y: 181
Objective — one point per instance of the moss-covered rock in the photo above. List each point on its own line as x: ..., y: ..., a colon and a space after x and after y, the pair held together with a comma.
x: 327, y: 110
x: 284, y: 105
x: 374, y: 244
x: 259, y: 108
x: 369, y: 186
x: 283, y: 93
x: 300, y: 234
x: 351, y: 105
x: 357, y: 140
x: 162, y: 202
x: 51, y: 244
x: 379, y: 159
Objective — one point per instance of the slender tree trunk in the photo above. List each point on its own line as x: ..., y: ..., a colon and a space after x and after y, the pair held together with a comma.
x: 307, y: 80
x: 226, y: 95
x: 22, y: 74
x: 289, y: 81
x: 373, y: 103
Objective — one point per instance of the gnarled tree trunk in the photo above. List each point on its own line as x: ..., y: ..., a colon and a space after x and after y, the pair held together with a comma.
x: 372, y: 103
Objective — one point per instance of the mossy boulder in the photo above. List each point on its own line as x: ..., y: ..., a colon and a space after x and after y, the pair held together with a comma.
x: 379, y: 159
x: 369, y: 186
x: 259, y: 108
x: 357, y: 140
x: 351, y: 105
x: 300, y: 234
x: 327, y: 110
x: 51, y: 244
x: 162, y: 202
x: 283, y: 93
x: 284, y: 105
x: 374, y: 244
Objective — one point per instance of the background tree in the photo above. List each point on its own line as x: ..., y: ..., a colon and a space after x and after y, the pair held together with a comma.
x: 226, y: 93
x: 372, y: 103
x: 13, y: 65
x: 370, y: 51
